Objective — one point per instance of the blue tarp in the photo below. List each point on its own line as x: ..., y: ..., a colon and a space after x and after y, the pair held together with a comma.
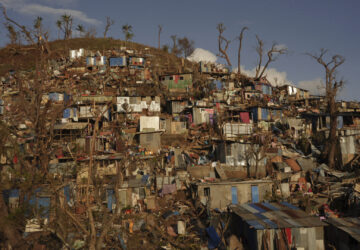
x: 214, y: 239
x: 10, y: 193
x: 42, y: 203
x: 67, y: 113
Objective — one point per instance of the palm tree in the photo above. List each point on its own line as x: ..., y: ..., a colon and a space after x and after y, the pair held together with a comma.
x: 58, y: 25
x: 38, y: 26
x: 65, y: 25
x: 38, y: 22
x: 127, y: 30
x: 80, y: 29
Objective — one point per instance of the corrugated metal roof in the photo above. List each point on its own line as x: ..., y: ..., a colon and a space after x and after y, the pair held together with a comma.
x: 275, y: 215
x: 349, y: 225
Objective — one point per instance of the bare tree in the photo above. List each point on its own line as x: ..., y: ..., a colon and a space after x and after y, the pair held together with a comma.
x: 41, y: 35
x: 175, y: 49
x: 31, y: 169
x: 332, y: 86
x: 13, y: 35
x: 240, y: 46
x: 186, y: 46
x: 109, y: 22
x: 27, y: 33
x: 38, y: 27
x: 165, y: 48
x: 260, y: 51
x: 223, y: 43
x: 256, y: 152
x: 65, y: 25
x: 272, y: 54
x: 159, y: 33
x: 90, y: 32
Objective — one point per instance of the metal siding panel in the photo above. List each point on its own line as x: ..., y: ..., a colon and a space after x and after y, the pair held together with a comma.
x: 270, y: 223
x: 289, y: 205
x: 292, y: 222
x: 234, y: 195
x: 268, y: 205
x: 249, y: 208
x: 254, y: 194
x: 257, y: 208
x: 255, y: 224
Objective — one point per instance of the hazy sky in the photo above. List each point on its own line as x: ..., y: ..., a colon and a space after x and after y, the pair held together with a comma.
x: 301, y: 25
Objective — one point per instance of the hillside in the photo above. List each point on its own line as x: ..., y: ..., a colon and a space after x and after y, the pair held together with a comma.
x: 25, y: 57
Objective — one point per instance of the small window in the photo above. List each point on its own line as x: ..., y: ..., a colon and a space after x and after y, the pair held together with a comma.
x: 207, y: 192
x: 171, y: 78
x: 181, y: 78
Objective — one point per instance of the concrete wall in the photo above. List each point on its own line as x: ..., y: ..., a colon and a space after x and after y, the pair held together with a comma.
x: 150, y: 141
x: 178, y: 127
x: 200, y: 171
x: 150, y: 123
x: 221, y: 196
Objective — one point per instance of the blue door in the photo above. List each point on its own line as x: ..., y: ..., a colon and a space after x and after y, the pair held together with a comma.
x: 110, y: 199
x: 234, y: 197
x: 254, y: 194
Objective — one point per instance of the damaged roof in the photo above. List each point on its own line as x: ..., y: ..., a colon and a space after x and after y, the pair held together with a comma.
x: 274, y: 216
x: 348, y: 225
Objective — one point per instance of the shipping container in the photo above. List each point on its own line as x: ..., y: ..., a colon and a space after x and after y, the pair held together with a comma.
x: 177, y: 82
x: 136, y: 61
x: 96, y: 61
x: 118, y: 61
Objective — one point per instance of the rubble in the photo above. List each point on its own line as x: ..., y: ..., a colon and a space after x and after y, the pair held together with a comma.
x: 165, y: 159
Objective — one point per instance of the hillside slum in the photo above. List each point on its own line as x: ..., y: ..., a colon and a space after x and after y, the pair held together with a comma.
x: 180, y: 155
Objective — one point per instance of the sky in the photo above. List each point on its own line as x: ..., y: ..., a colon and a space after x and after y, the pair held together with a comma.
x: 303, y: 26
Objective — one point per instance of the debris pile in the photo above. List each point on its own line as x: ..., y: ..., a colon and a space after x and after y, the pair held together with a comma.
x: 125, y: 148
